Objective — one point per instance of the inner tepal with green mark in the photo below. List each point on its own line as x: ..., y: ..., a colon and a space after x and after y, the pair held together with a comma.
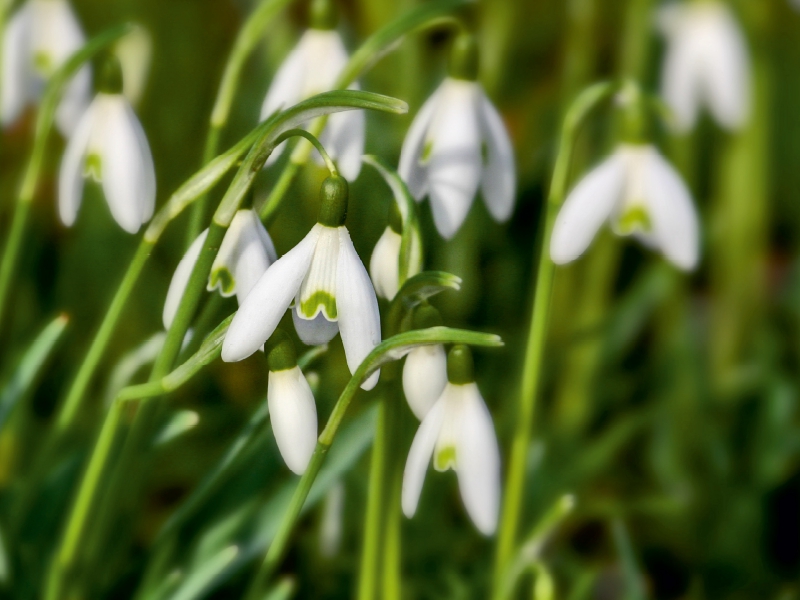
x: 93, y: 167
x: 635, y: 218
x: 319, y: 300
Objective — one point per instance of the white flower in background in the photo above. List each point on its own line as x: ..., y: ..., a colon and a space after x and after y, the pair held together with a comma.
x: 456, y: 145
x: 311, y: 68
x: 706, y: 63
x: 329, y: 285
x: 384, y: 265
x: 424, y: 378
x: 244, y: 256
x: 38, y: 39
x: 292, y: 410
x: 458, y: 433
x: 640, y: 194
x: 109, y: 145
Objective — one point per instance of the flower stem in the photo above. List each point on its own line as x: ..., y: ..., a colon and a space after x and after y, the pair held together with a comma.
x: 249, y: 36
x: 540, y: 310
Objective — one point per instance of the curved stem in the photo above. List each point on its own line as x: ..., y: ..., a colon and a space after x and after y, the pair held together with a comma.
x: 534, y: 349
x: 44, y: 124
x: 315, y: 142
x: 248, y: 38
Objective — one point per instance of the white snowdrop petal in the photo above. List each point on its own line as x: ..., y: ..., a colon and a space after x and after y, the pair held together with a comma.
x: 318, y: 290
x: 243, y: 256
x: 418, y: 458
x: 454, y: 167
x: 674, y: 219
x: 124, y: 174
x: 499, y: 170
x: 478, y: 461
x: 180, y: 279
x: 357, y: 305
x: 293, y: 415
x: 148, y: 192
x: 253, y: 262
x: 726, y: 68
x: 74, y: 101
x: 261, y: 311
x: 14, y: 83
x: 587, y: 206
x: 384, y: 264
x: 70, y: 175
x: 424, y: 378
x: 287, y: 85
x: 411, y: 169
x: 316, y: 331
x: 343, y: 137
x: 224, y: 266
x: 680, y: 74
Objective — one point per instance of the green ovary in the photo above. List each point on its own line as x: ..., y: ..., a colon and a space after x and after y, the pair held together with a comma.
x: 634, y: 219
x: 308, y: 308
x: 444, y: 458
x: 224, y: 278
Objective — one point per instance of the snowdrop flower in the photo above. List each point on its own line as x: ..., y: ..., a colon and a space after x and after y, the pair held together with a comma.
x: 384, y: 266
x: 313, y: 67
x: 292, y: 411
x: 329, y: 285
x: 457, y: 144
x: 110, y: 146
x: 425, y: 369
x: 39, y: 38
x: 706, y: 62
x: 458, y: 433
x: 244, y: 256
x: 640, y: 194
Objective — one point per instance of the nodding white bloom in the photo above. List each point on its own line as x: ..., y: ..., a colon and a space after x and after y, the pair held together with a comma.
x: 456, y: 145
x: 311, y: 68
x: 329, y: 285
x: 244, y: 256
x: 292, y: 410
x: 384, y: 266
x: 424, y: 378
x: 458, y: 433
x: 706, y: 62
x: 640, y: 194
x: 110, y: 146
x: 38, y: 39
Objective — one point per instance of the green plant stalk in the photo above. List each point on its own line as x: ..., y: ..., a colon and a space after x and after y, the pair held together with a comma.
x: 387, y: 351
x: 392, y: 541
x: 427, y: 16
x: 44, y: 124
x: 534, y: 349
x: 248, y: 38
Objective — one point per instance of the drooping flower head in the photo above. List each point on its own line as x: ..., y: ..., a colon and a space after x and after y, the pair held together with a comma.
x: 425, y: 368
x: 244, y: 256
x: 706, y: 64
x: 639, y: 193
x: 458, y: 144
x: 313, y: 67
x: 109, y: 146
x: 292, y: 410
x: 328, y: 283
x: 457, y: 433
x: 39, y: 38
x: 384, y: 265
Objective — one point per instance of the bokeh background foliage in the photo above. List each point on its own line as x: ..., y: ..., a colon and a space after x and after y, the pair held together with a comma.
x: 670, y: 403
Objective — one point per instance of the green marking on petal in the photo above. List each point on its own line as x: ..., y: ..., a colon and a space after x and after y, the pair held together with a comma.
x: 93, y: 167
x: 43, y: 63
x: 634, y: 219
x: 223, y: 278
x: 310, y: 308
x: 445, y: 458
x: 427, y: 150
x: 484, y: 153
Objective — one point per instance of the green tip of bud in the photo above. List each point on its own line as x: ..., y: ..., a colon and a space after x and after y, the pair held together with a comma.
x: 109, y: 76
x: 323, y: 14
x: 426, y: 316
x: 460, y: 368
x: 395, y: 218
x: 280, y: 351
x: 333, y: 197
x: 464, y: 58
